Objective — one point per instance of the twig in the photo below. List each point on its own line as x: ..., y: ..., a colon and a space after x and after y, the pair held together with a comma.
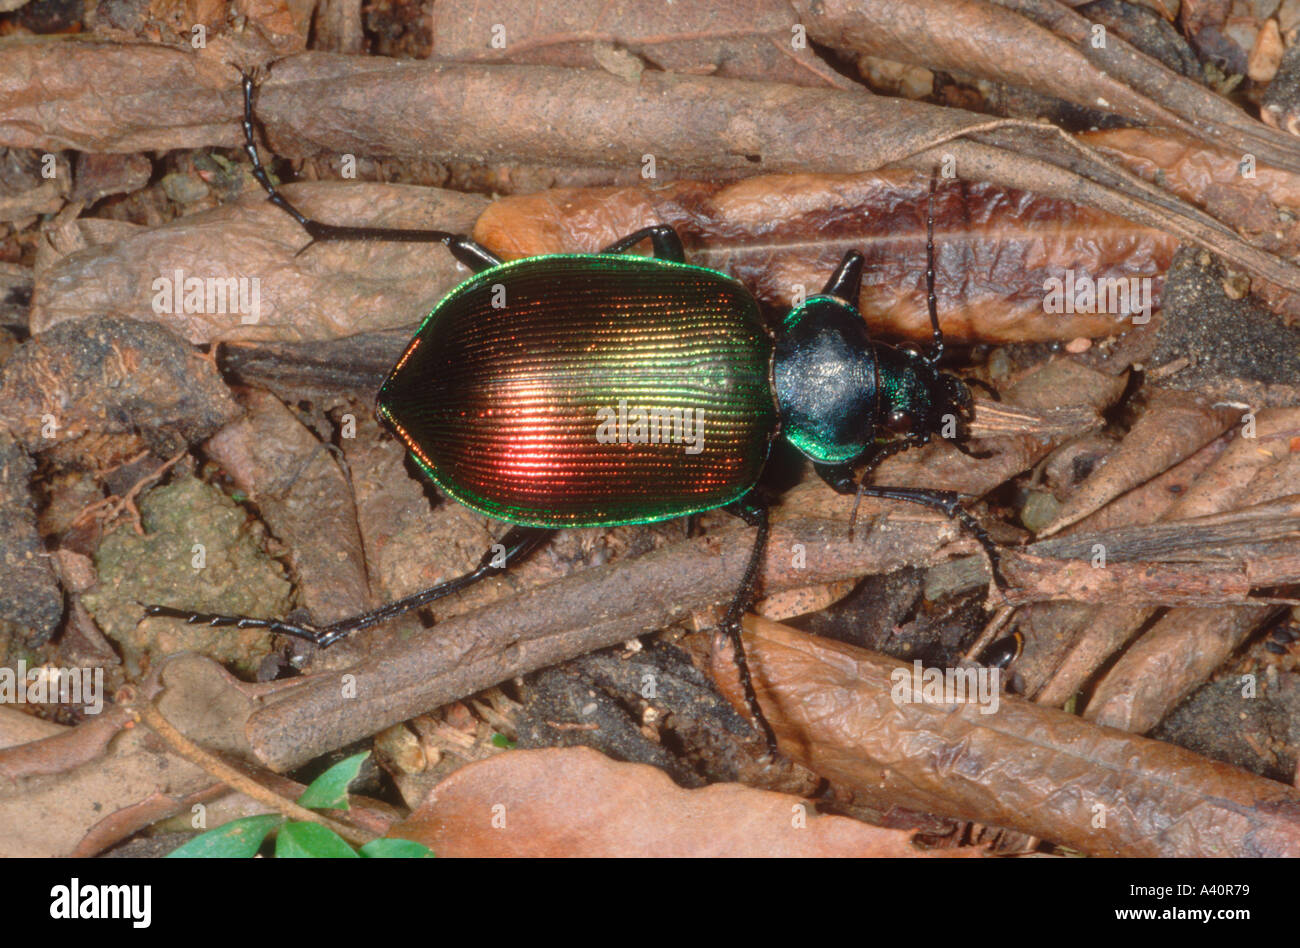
x: 115, y: 505
x: 237, y: 781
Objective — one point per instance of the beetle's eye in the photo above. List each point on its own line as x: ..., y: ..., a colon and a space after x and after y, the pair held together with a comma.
x: 899, y: 422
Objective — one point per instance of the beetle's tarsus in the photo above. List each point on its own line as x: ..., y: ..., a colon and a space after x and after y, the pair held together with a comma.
x: 978, y: 455
x: 216, y: 620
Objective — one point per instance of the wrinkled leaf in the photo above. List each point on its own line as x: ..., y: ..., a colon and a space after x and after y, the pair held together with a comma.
x: 854, y: 717
x: 782, y: 236
x: 576, y: 802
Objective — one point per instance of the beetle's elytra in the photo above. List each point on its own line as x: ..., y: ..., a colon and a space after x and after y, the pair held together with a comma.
x: 578, y: 390
x: 595, y: 389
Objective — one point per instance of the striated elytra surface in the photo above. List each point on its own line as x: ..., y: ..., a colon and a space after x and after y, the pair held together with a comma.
x: 579, y: 390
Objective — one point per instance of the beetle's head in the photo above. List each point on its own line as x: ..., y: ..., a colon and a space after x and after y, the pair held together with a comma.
x: 954, y: 399
x: 917, y: 399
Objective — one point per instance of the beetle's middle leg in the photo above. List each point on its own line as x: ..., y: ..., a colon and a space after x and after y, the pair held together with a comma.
x: 473, y: 255
x: 755, y: 514
x: 514, y: 546
x: 664, y: 240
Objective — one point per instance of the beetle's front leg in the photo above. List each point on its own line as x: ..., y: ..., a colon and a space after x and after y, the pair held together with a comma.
x: 846, y: 478
x: 842, y: 480
x: 949, y: 503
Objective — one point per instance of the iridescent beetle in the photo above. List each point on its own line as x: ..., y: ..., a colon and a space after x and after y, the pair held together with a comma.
x: 520, y: 411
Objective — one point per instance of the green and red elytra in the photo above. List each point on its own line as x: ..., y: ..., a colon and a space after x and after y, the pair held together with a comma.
x: 507, y: 394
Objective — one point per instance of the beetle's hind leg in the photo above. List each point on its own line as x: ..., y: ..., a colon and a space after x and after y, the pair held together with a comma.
x: 514, y: 546
x: 473, y: 255
x: 755, y: 514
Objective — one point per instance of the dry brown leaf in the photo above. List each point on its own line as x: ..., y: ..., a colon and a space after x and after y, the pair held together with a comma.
x: 1186, y: 646
x: 305, y: 499
x: 574, y: 802
x: 1173, y: 427
x: 1215, y: 118
x: 1083, y: 643
x: 318, y: 102
x: 329, y: 291
x: 836, y: 709
x: 996, y: 248
x: 751, y: 40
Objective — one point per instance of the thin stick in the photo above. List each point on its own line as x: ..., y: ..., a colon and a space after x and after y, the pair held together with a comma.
x: 240, y: 782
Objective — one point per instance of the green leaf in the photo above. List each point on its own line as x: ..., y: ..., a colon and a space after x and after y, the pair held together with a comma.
x: 500, y: 740
x: 298, y: 840
x: 396, y: 849
x: 329, y: 791
x: 238, y: 839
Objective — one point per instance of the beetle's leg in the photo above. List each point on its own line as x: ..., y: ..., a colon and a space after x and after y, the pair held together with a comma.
x: 980, y: 383
x: 753, y: 513
x: 475, y: 256
x: 842, y: 480
x: 978, y: 455
x: 665, y: 242
x: 949, y: 502
x: 879, y: 452
x: 849, y: 478
x: 846, y: 282
x: 515, y: 545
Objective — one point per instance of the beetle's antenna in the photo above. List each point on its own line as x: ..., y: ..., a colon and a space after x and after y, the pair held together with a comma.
x: 936, y: 350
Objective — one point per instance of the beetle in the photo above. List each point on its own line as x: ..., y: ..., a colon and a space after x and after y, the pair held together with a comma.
x: 614, y: 388
x: 1001, y: 653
